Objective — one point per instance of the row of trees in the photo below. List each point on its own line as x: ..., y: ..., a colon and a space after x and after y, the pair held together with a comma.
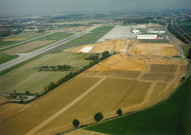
x: 177, y: 33
x: 69, y: 76
x: 9, y: 32
x: 54, y: 68
x: 97, y: 117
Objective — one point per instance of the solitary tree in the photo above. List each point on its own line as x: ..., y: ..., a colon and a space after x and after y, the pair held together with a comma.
x: 75, y: 123
x: 98, y: 116
x: 119, y: 112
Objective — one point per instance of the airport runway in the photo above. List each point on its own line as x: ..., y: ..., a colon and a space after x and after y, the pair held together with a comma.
x: 27, y: 56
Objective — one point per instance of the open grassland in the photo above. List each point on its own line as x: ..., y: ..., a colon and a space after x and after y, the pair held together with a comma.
x: 72, y: 29
x: 91, y: 37
x: 28, y: 47
x: 46, y: 106
x: 169, y: 117
x: 110, y: 95
x: 185, y: 47
x: 9, y: 40
x: 6, y: 57
x: 38, y: 43
x: 27, y: 78
x: 56, y: 36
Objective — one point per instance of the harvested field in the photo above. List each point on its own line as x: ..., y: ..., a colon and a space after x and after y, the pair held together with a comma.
x: 15, y: 39
x: 9, y: 110
x: 158, y: 77
x: 121, y: 74
x: 3, y: 100
x: 44, y: 107
x: 159, y: 88
x: 161, y: 68
x: 120, y: 62
x: 110, y: 95
x: 28, y: 47
x: 27, y: 78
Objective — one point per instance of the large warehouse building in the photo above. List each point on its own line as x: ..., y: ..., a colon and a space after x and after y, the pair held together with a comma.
x: 147, y: 37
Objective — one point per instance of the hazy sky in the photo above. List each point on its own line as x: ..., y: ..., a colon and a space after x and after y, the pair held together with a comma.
x: 36, y: 7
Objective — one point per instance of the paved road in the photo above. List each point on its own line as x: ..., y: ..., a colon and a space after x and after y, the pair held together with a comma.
x: 25, y: 41
x: 27, y: 56
x: 174, y: 41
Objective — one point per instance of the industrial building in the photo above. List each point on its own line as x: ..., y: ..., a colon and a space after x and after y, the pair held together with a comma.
x: 156, y: 31
x: 135, y: 31
x: 147, y: 37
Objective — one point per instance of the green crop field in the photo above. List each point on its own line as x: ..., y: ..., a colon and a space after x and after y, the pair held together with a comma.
x: 91, y: 37
x: 27, y: 78
x: 171, y: 117
x: 154, y: 41
x: 6, y: 43
x: 6, y: 57
x: 56, y: 36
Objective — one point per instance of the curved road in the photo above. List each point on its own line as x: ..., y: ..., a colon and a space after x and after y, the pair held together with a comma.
x: 174, y: 41
x: 27, y: 56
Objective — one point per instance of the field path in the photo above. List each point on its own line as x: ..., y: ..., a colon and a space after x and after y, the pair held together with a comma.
x: 64, y: 109
x: 149, y: 93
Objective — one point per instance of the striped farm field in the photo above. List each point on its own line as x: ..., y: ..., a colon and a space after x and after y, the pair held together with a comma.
x: 159, y: 88
x: 46, y: 106
x: 109, y: 96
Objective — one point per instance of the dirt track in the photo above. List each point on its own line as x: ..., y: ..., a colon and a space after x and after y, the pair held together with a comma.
x: 64, y: 109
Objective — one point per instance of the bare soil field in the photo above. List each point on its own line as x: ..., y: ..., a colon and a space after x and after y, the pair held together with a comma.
x: 27, y: 47
x: 15, y: 39
x: 158, y: 68
x: 157, y: 49
x: 120, y: 62
x: 158, y: 76
x: 110, y: 45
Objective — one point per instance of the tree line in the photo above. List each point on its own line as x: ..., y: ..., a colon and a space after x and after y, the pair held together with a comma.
x: 67, y: 77
x: 177, y: 33
x: 97, y: 117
